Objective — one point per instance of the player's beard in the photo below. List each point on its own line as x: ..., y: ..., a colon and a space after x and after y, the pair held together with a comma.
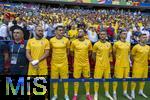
x: 39, y: 36
x: 144, y: 41
x: 59, y: 36
x: 103, y: 40
x: 80, y: 36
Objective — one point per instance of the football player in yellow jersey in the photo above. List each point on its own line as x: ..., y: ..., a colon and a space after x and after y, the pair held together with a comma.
x: 81, y: 49
x: 73, y: 33
x: 59, y: 62
x: 121, y: 51
x: 37, y: 51
x: 102, y: 54
x: 140, y: 55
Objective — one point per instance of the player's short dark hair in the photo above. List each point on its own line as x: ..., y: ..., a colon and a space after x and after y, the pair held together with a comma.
x: 122, y: 30
x: 59, y: 26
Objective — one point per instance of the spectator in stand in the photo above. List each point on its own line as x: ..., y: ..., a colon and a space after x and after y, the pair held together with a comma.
x: 12, y: 28
x: 79, y: 17
x: 144, y: 30
x: 4, y: 35
x: 110, y: 33
x: 136, y: 33
x: 129, y: 35
x: 26, y: 32
x: 92, y: 35
x: 73, y: 33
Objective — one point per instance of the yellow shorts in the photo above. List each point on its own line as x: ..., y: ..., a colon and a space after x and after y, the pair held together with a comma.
x: 141, y: 72
x: 62, y: 71
x: 102, y: 72
x: 40, y: 71
x: 85, y: 70
x: 121, y: 72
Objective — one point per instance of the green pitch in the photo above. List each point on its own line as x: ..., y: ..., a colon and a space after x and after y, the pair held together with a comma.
x: 82, y: 96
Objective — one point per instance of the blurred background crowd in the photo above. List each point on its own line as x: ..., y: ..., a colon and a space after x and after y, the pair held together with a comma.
x: 27, y: 17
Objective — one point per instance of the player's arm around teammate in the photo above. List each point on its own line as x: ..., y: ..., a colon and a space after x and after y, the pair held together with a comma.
x: 140, y: 56
x: 102, y: 52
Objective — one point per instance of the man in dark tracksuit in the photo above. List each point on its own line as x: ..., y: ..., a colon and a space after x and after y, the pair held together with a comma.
x: 17, y: 51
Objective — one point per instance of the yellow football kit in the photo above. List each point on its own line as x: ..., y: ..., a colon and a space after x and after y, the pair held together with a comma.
x: 141, y: 55
x: 37, y: 48
x: 102, y: 68
x: 72, y: 34
x: 122, y: 66
x: 81, y: 61
x: 59, y: 61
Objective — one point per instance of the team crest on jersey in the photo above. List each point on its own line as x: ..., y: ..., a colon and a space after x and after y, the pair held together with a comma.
x: 42, y: 43
x: 85, y: 43
x: 107, y: 46
x: 62, y: 42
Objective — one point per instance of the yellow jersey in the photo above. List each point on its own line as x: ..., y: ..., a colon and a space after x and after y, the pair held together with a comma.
x: 37, y: 48
x: 122, y: 53
x: 59, y: 51
x: 81, y: 49
x: 141, y: 55
x: 72, y: 34
x: 103, y: 54
x: 140, y: 24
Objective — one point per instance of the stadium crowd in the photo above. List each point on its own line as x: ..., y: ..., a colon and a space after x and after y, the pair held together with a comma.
x: 92, y: 21
x: 33, y: 35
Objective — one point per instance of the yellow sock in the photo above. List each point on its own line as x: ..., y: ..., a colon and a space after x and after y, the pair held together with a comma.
x: 87, y: 87
x: 96, y: 86
x: 66, y: 88
x: 106, y: 86
x: 142, y: 84
x: 125, y: 86
x: 76, y: 86
x: 55, y: 87
x: 115, y: 84
x: 133, y: 85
